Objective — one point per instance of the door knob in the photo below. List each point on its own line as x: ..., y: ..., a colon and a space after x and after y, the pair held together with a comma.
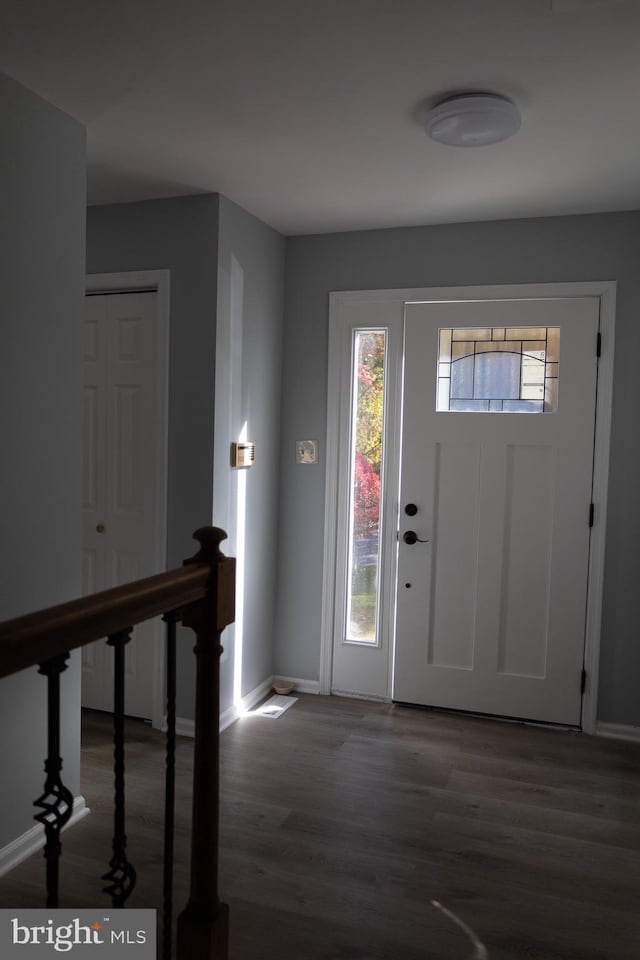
x: 411, y: 509
x: 100, y: 528
x: 412, y: 537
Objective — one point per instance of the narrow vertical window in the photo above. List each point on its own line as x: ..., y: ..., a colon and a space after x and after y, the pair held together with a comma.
x: 366, y: 475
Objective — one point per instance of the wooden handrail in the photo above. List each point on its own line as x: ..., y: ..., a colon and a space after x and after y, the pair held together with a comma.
x: 28, y: 640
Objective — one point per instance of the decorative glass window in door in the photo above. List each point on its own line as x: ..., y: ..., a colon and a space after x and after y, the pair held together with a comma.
x: 498, y: 369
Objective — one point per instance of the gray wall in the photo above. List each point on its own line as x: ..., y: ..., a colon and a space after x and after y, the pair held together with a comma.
x: 42, y: 171
x: 599, y: 247
x: 179, y: 234
x: 198, y: 239
x: 250, y: 320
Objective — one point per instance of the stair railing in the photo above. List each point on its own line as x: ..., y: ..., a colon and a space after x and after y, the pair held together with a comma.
x: 200, y: 594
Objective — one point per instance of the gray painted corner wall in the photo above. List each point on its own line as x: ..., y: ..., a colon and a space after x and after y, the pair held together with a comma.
x: 250, y: 321
x: 197, y: 238
x: 179, y: 234
x: 43, y: 175
x: 596, y: 247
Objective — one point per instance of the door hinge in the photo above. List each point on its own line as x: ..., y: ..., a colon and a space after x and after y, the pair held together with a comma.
x: 583, y: 681
x: 592, y: 512
x: 599, y: 345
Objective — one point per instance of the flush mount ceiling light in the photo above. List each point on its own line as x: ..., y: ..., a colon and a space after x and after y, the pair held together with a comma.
x: 473, y: 120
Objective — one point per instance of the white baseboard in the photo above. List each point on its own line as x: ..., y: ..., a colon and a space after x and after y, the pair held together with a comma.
x: 227, y: 717
x: 300, y: 685
x: 186, y: 727
x: 33, y: 839
x: 257, y: 694
x: 617, y: 731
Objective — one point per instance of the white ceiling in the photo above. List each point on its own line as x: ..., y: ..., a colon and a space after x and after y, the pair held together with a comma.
x: 306, y: 112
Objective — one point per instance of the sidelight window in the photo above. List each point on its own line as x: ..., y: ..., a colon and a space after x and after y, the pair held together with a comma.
x: 366, y: 479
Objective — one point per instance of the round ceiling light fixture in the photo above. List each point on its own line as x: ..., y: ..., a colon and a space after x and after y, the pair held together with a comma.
x: 473, y: 120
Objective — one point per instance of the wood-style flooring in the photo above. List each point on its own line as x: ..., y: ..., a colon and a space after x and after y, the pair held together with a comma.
x: 343, y: 820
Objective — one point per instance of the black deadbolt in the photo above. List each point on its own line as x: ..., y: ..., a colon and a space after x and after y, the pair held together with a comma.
x: 411, y: 509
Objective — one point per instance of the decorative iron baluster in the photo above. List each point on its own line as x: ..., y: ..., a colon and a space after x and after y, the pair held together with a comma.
x: 121, y: 874
x: 171, y: 619
x: 57, y: 801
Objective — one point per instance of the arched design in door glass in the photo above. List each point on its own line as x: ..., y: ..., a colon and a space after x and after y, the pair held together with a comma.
x: 498, y: 369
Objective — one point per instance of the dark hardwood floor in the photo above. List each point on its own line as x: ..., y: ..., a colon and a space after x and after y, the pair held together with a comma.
x: 343, y: 820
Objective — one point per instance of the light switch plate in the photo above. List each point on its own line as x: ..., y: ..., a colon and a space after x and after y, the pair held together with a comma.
x: 306, y: 451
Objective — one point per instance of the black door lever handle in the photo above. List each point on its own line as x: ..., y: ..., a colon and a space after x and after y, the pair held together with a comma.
x: 412, y: 537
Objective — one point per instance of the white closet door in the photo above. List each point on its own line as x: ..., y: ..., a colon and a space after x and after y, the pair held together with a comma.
x: 120, y: 463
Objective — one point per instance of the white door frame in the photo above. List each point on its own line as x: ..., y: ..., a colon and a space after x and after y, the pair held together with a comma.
x: 606, y: 292
x: 147, y: 281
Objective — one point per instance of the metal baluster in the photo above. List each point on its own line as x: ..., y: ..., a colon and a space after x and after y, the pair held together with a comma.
x: 56, y: 801
x: 171, y: 619
x: 121, y: 874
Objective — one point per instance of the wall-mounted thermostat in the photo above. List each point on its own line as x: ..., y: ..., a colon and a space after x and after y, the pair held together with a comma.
x: 306, y: 451
x: 243, y: 454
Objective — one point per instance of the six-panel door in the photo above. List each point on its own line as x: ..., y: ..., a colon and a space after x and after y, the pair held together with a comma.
x: 119, y: 491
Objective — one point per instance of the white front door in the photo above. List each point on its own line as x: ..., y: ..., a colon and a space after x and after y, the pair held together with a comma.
x: 497, y: 457
x: 121, y: 463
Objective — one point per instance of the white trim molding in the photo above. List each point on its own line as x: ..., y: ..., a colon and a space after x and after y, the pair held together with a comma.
x: 157, y: 281
x: 340, y: 316
x: 617, y: 731
x: 227, y: 717
x: 185, y: 727
x: 33, y: 839
x: 332, y: 460
x: 300, y: 685
x: 601, y: 456
x: 255, y: 696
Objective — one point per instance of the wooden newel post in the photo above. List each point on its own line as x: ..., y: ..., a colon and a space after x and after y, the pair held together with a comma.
x: 203, y: 925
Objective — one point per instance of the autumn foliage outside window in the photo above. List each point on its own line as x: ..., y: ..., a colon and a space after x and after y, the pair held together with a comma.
x: 366, y: 498
x: 366, y: 468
